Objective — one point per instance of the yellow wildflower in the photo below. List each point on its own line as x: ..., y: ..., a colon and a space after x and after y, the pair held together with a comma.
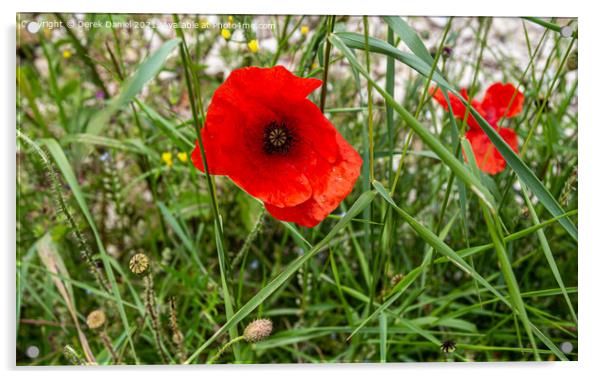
x: 67, y: 54
x: 167, y: 158
x: 253, y: 46
x: 304, y: 29
x: 226, y: 34
x: 182, y: 156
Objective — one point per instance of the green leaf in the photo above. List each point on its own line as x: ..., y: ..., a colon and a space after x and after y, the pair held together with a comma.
x: 131, y: 145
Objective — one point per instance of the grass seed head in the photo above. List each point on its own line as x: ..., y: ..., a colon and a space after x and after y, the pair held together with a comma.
x: 258, y: 330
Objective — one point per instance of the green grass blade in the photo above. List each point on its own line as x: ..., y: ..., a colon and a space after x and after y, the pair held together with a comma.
x: 176, y: 136
x: 382, y: 319
x: 397, y: 291
x: 545, y: 246
x: 525, y: 174
x: 182, y: 234
x: 409, y: 37
x: 356, y: 41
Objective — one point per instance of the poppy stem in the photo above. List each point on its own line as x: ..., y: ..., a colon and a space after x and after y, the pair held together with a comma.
x: 219, y: 232
x: 330, y: 26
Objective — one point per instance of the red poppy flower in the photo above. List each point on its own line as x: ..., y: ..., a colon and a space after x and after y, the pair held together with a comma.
x: 263, y: 133
x: 500, y: 101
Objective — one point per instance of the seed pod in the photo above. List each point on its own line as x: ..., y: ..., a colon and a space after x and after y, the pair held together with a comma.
x: 96, y: 319
x: 448, y: 346
x: 139, y: 264
x: 258, y: 330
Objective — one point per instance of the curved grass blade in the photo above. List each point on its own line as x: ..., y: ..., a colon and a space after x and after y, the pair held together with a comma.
x: 524, y: 173
x: 176, y: 136
x: 356, y: 41
x: 409, y: 37
x: 130, y: 145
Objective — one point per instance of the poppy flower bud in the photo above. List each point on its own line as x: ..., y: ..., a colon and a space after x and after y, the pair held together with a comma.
x: 447, y: 52
x: 258, y: 330
x: 96, y: 319
x: 139, y: 264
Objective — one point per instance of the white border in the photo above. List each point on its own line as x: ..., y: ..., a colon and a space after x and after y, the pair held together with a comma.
x: 590, y: 122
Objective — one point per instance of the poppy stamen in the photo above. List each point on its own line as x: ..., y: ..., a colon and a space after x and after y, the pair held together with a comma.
x: 277, y: 139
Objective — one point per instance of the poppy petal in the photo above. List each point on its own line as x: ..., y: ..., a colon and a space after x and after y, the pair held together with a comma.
x: 275, y: 83
x: 330, y: 187
x: 458, y: 108
x: 488, y: 158
x: 502, y: 100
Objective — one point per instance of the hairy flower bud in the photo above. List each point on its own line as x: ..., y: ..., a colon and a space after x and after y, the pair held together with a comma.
x: 258, y: 330
x: 96, y: 319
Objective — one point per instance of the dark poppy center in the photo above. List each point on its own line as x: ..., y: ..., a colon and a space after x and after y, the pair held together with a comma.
x: 277, y: 138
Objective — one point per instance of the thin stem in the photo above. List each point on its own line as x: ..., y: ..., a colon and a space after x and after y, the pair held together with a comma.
x: 323, y: 92
x: 370, y: 115
x: 224, y: 348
